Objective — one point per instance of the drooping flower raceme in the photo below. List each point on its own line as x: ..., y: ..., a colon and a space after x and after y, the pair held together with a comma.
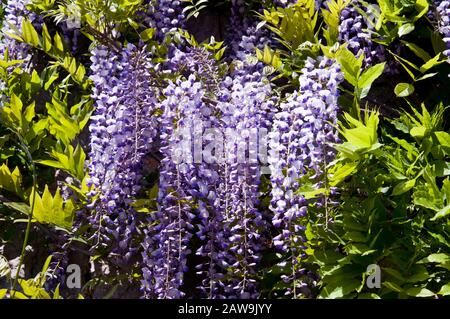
x: 123, y: 130
x: 167, y: 242
x: 443, y: 10
x: 246, y: 114
x: 197, y: 61
x: 245, y: 106
x: 217, y: 193
x: 356, y: 31
x: 237, y: 27
x: 164, y: 16
x: 284, y: 3
x: 300, y: 143
x: 15, y: 12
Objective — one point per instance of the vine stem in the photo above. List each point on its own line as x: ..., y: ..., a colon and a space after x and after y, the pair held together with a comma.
x: 30, y: 216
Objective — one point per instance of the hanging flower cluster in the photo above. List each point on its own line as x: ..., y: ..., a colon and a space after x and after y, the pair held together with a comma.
x: 15, y: 12
x: 443, y: 10
x: 300, y: 143
x: 284, y: 3
x: 245, y: 107
x: 164, y: 16
x: 223, y: 187
x: 167, y: 243
x: 246, y: 112
x: 123, y: 130
x: 356, y: 31
x: 208, y: 206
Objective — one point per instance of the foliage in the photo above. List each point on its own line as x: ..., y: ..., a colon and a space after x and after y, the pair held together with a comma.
x: 390, y: 201
x: 93, y: 93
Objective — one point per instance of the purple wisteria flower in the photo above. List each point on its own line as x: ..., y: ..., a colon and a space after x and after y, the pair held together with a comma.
x: 247, y: 113
x: 15, y: 12
x: 166, y: 245
x: 217, y: 198
x: 356, y: 31
x: 123, y: 130
x: 300, y: 146
x: 443, y: 10
x: 164, y: 16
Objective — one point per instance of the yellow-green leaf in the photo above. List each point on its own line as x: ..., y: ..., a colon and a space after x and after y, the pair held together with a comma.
x: 419, y: 292
x: 403, y: 89
x: 403, y: 187
x: 418, y: 131
x: 29, y: 33
x: 445, y: 290
x: 46, y: 39
x: 10, y: 181
x: 53, y: 209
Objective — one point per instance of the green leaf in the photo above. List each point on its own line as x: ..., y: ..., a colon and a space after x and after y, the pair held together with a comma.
x: 46, y: 39
x: 392, y: 286
x: 5, y: 269
x: 425, y: 196
x: 405, y: 29
x: 444, y: 140
x: 51, y: 163
x: 421, y: 53
x: 30, y: 112
x: 10, y: 181
x: 442, y: 213
x: 359, y: 137
x: 269, y: 57
x: 29, y: 33
x: 403, y: 89
x: 58, y: 44
x: 418, y: 131
x: 437, y: 42
x: 419, y: 273
x: 445, y: 290
x: 359, y: 249
x: 370, y: 75
x: 403, y: 187
x: 404, y: 144
x: 309, y: 192
x: 147, y: 34
x: 431, y: 63
x: 419, y: 292
x: 426, y: 76
x: 46, y: 264
x: 56, y: 294
x: 342, y: 290
x: 20, y: 207
x: 16, y: 108
x: 351, y: 66
x: 53, y: 209
x: 394, y: 273
x: 443, y: 260
x: 18, y: 295
x: 31, y: 289
x: 342, y: 172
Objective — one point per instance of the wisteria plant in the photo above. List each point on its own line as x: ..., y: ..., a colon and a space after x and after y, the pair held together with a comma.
x: 300, y: 146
